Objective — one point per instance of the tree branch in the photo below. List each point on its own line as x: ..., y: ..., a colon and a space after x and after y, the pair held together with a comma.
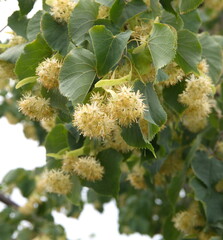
x: 8, y: 201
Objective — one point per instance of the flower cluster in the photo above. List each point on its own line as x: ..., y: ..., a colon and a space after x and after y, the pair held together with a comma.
x: 6, y: 73
x: 196, y: 98
x: 56, y: 181
x: 62, y: 9
x: 189, y: 222
x: 48, y: 124
x: 175, y: 74
x: 88, y: 168
x: 99, y: 119
x: 48, y: 72
x: 36, y: 108
x: 137, y: 180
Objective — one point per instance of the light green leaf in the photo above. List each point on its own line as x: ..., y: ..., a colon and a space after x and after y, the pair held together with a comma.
x: 212, y: 52
x: 26, y: 81
x: 107, y: 47
x: 33, y: 27
x: 188, y: 51
x: 82, y: 19
x: 109, y: 185
x: 172, y: 19
x: 189, y: 5
x: 54, y: 155
x: 192, y: 17
x: 77, y: 74
x: 162, y: 44
x: 104, y: 83
x: 34, y: 53
x: 55, y: 34
x: 56, y: 139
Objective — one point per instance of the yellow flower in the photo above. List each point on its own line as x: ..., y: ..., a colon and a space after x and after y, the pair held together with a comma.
x: 36, y: 108
x: 92, y: 121
x: 62, y: 9
x: 88, y: 168
x: 48, y: 124
x: 56, y: 181
x: 48, y: 72
x: 137, y: 180
x: 125, y: 105
x: 68, y: 163
x: 103, y: 12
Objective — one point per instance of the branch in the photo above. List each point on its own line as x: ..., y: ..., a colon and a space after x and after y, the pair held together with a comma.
x: 3, y: 28
x: 8, y: 201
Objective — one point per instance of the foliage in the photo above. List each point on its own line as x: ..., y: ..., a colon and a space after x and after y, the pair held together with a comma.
x: 134, y: 113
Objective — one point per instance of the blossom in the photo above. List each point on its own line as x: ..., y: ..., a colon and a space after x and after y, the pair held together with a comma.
x: 62, y: 9
x: 36, y: 108
x: 48, y: 72
x: 196, y: 97
x: 137, y: 179
x: 68, y: 163
x: 48, y: 124
x: 125, y: 105
x: 56, y: 181
x: 92, y: 121
x: 88, y: 168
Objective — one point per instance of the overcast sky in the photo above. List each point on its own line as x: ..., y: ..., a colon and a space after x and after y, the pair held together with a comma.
x: 17, y: 151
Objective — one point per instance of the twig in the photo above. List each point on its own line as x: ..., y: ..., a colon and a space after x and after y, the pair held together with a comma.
x: 4, y: 28
x: 8, y: 201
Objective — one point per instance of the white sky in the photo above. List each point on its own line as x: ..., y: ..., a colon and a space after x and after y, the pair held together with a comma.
x: 17, y: 151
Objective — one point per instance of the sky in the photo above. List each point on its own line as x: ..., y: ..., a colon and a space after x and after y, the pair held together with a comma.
x: 17, y: 151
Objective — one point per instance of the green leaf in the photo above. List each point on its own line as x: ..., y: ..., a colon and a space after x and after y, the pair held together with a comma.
x: 82, y: 19
x: 26, y: 81
x: 75, y: 195
x: 33, y: 27
x: 192, y: 17
x: 109, y: 185
x: 171, y: 94
x: 173, y: 20
x: 56, y: 34
x: 107, y: 47
x: 121, y: 11
x: 107, y: 3
x: 210, y: 199
x: 162, y: 44
x: 12, y: 54
x: 14, y: 176
x: 18, y: 23
x: 189, y: 5
x: 212, y: 52
x: 133, y: 137
x: 34, y: 53
x: 167, y: 6
x: 56, y: 139
x: 104, y: 83
x: 188, y: 51
x: 26, y: 6
x: 155, y: 113
x: 77, y: 74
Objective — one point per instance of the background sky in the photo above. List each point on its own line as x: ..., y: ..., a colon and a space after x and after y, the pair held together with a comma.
x: 17, y: 151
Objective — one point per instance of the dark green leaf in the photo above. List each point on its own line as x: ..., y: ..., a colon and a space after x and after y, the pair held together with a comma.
x: 155, y: 113
x: 121, y: 10
x: 82, y: 19
x: 34, y: 53
x: 77, y: 74
x: 56, y: 34
x: 14, y: 176
x: 56, y: 140
x: 109, y: 185
x: 188, y: 51
x: 107, y: 3
x: 75, y: 195
x: 26, y: 6
x: 12, y: 53
x: 18, y: 23
x: 33, y: 28
x: 167, y: 6
x: 108, y: 48
x: 192, y: 17
x: 212, y: 52
x: 189, y: 5
x: 173, y: 20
